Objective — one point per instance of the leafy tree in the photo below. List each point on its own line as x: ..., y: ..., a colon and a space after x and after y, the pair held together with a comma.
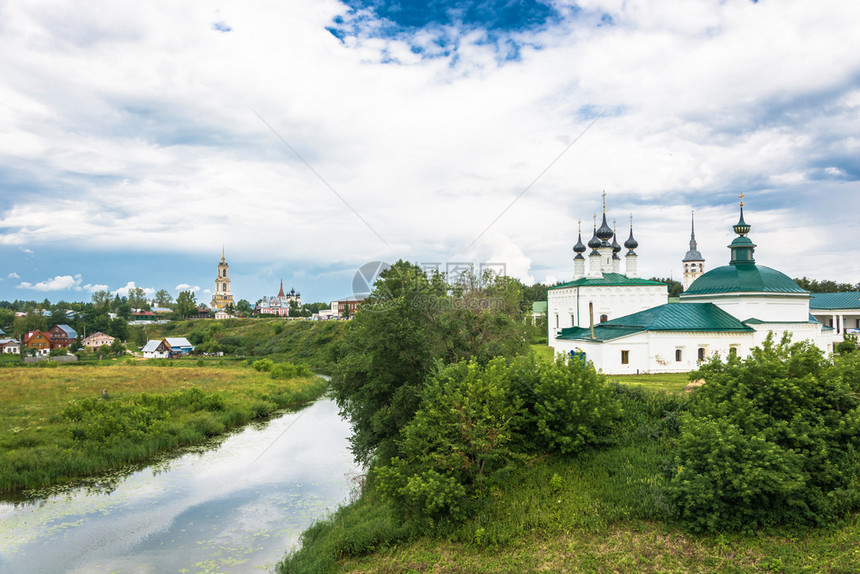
x: 186, y: 305
x: 117, y: 347
x: 32, y: 321
x: 771, y: 439
x: 826, y: 286
x: 407, y: 323
x: 137, y: 298
x: 102, y: 299
x: 848, y: 344
x: 163, y: 298
x: 244, y: 307
x: 118, y: 328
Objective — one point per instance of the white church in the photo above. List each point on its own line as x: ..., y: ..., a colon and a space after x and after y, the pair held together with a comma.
x: 624, y: 324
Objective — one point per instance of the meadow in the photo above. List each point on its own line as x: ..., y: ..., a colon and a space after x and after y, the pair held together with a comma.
x: 63, y: 422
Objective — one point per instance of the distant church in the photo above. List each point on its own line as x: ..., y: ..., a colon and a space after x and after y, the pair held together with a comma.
x: 222, y: 296
x: 625, y: 325
x: 280, y: 303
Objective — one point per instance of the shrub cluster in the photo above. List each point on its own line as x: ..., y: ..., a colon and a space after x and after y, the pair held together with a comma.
x: 474, y: 420
x: 771, y: 439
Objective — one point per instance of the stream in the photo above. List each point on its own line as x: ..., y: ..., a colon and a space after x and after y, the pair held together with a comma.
x: 236, y: 506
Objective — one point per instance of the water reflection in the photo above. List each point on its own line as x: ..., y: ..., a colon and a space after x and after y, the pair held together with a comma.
x: 235, y: 508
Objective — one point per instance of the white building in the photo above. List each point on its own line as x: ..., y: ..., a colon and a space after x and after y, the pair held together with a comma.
x: 280, y: 303
x: 841, y: 311
x: 604, y: 293
x: 728, y: 310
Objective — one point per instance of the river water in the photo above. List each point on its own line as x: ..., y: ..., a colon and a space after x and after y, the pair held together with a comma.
x: 235, y: 507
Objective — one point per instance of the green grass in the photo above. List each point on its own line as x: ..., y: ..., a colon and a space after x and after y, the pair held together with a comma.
x: 56, y: 424
x: 671, y: 382
x: 599, y: 511
x: 312, y: 343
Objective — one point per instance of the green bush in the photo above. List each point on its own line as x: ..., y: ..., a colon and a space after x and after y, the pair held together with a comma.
x: 263, y: 365
x: 771, y: 439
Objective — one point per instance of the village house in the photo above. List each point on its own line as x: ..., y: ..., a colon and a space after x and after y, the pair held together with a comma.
x: 62, y: 336
x: 96, y: 340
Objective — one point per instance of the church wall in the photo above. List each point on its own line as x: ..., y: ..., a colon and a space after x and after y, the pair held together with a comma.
x: 570, y: 305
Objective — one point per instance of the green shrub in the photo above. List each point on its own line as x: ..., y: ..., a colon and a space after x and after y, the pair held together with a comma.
x: 567, y: 405
x: 263, y: 365
x: 772, y: 439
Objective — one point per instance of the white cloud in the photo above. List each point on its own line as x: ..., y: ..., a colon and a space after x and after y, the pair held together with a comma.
x: 13, y: 275
x: 58, y: 283
x: 702, y: 100
x: 186, y: 287
x: 124, y: 291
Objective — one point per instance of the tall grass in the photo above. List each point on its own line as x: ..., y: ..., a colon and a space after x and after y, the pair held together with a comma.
x: 58, y: 424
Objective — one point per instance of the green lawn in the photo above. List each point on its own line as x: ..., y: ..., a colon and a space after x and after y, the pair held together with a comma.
x: 670, y: 382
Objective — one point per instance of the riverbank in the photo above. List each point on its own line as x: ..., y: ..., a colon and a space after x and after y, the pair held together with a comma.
x: 601, y: 510
x: 66, y: 422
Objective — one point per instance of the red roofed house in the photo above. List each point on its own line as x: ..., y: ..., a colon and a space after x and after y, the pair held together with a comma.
x: 39, y: 341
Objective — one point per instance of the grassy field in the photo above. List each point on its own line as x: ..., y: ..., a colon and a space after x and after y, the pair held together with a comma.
x: 69, y: 421
x: 670, y: 382
x: 312, y: 343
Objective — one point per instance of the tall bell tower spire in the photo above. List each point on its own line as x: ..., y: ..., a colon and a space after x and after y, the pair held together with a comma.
x: 694, y: 263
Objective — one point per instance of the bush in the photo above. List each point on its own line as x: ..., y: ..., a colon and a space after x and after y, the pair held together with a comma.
x: 772, y: 439
x: 459, y: 436
x: 567, y: 405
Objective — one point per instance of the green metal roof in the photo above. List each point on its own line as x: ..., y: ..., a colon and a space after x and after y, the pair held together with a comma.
x: 669, y: 317
x: 608, y: 280
x: 743, y: 279
x: 539, y: 307
x: 848, y: 300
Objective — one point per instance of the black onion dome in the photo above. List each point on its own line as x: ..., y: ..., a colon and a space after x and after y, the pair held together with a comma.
x: 631, y: 243
x: 604, y: 232
x: 615, y: 247
x: 594, y: 242
x: 580, y: 246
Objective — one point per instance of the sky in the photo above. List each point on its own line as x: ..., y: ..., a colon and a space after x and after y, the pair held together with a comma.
x: 308, y: 138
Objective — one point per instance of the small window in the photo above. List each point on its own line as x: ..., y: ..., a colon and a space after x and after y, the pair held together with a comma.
x: 678, y: 355
x: 701, y: 353
x: 572, y: 320
x: 604, y: 318
x: 625, y: 357
x: 733, y: 351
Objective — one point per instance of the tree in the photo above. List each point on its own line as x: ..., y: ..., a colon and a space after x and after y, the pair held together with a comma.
x: 102, y: 299
x: 137, y: 298
x: 406, y: 324
x: 244, y: 307
x: 186, y: 305
x: 117, y: 347
x: 825, y: 286
x: 163, y: 298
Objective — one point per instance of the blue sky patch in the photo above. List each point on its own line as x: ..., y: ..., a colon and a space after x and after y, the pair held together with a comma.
x: 446, y: 20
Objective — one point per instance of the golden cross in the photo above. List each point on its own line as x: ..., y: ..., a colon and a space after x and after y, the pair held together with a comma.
x: 742, y: 199
x: 604, y: 201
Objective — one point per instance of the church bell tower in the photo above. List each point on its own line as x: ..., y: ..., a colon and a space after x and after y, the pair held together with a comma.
x: 222, y: 297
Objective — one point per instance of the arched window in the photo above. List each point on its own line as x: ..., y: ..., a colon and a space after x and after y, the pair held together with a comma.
x: 604, y: 318
x: 678, y: 355
x: 701, y: 353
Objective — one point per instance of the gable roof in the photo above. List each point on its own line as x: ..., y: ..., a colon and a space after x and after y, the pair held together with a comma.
x: 70, y: 333
x: 668, y: 317
x: 152, y: 345
x: 847, y: 300
x: 608, y: 280
x: 178, y: 342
